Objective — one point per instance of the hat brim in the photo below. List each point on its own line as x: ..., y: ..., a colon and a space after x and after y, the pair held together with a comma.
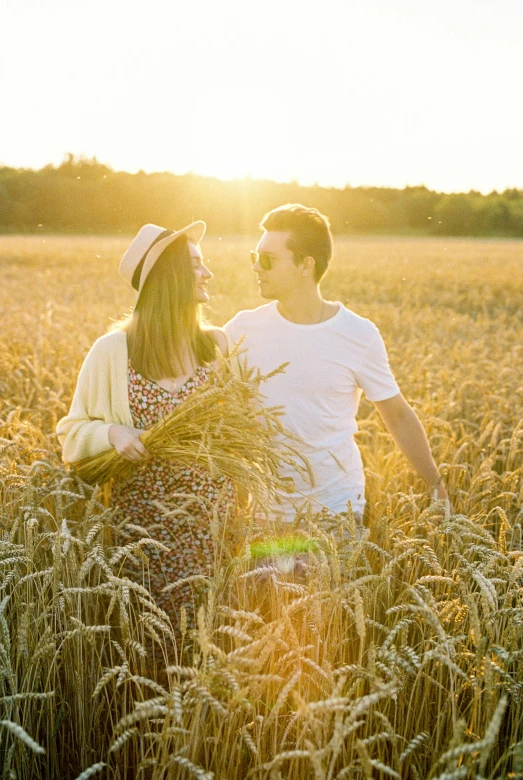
x: 194, y: 232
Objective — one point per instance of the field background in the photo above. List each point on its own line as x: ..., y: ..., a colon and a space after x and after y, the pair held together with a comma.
x: 449, y: 310
x: 450, y: 313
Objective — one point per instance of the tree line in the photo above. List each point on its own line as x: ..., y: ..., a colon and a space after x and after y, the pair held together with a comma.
x: 83, y: 195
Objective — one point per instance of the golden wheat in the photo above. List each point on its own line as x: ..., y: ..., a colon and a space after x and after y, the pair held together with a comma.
x: 399, y: 655
x: 223, y: 427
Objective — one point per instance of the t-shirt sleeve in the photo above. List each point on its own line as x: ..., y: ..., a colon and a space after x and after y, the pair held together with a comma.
x: 232, y: 330
x: 374, y: 375
x: 236, y: 332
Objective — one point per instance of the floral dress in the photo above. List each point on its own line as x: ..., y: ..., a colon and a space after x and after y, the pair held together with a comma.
x: 189, y: 495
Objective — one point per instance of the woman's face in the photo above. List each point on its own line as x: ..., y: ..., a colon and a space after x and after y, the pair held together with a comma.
x: 201, y: 273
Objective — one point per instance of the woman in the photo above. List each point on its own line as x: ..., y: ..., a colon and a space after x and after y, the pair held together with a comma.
x: 131, y: 378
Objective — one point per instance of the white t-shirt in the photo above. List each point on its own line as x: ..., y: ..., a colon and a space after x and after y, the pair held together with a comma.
x: 330, y: 364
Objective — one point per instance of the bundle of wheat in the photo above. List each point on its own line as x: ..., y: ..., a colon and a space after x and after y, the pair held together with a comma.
x: 224, y: 427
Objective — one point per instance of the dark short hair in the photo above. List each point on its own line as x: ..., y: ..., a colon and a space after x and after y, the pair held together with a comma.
x: 310, y: 234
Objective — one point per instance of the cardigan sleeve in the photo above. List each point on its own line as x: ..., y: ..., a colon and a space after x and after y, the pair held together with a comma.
x: 97, y: 404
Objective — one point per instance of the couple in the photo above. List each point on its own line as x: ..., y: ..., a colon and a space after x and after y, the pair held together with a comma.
x: 152, y: 361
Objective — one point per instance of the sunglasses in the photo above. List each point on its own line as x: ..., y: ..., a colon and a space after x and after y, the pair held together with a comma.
x: 263, y: 259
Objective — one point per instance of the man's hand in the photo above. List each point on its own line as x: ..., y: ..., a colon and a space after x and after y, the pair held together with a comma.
x: 408, y: 433
x: 441, y: 492
x: 126, y: 442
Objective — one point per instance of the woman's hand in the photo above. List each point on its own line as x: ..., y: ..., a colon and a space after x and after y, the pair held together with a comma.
x: 126, y: 442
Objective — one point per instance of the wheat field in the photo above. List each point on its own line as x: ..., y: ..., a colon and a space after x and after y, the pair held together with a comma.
x: 400, y: 656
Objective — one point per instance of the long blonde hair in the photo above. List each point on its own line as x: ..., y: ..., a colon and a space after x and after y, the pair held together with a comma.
x: 166, y: 322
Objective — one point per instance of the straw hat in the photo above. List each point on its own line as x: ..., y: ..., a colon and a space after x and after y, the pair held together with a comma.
x: 148, y: 245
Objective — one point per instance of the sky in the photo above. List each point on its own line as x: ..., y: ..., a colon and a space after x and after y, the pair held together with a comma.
x: 335, y: 92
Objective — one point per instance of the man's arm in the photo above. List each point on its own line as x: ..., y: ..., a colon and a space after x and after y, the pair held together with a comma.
x: 408, y: 433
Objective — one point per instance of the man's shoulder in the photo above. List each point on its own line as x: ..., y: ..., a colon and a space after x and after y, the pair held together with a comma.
x: 250, y: 317
x: 357, y: 326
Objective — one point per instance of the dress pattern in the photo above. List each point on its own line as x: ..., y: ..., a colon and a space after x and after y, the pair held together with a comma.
x: 189, y: 494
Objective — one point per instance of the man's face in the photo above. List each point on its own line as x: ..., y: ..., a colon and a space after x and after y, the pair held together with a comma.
x: 284, y: 276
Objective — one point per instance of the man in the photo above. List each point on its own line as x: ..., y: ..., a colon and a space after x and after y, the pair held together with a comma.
x: 332, y: 354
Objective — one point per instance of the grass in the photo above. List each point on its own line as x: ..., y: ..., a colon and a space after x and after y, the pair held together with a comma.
x: 399, y: 656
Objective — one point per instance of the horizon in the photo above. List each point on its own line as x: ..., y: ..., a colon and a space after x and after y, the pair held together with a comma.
x: 79, y: 159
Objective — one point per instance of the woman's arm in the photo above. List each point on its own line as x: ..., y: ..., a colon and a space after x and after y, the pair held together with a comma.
x: 100, y: 400
x: 84, y: 431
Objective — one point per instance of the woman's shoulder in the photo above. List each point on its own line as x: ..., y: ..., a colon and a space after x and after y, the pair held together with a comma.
x: 108, y: 347
x: 220, y: 339
x: 114, y: 340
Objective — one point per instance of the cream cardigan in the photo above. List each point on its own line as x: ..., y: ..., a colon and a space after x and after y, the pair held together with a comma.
x: 100, y: 400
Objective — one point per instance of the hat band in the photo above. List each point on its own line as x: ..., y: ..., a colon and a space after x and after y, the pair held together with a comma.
x: 139, y: 268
